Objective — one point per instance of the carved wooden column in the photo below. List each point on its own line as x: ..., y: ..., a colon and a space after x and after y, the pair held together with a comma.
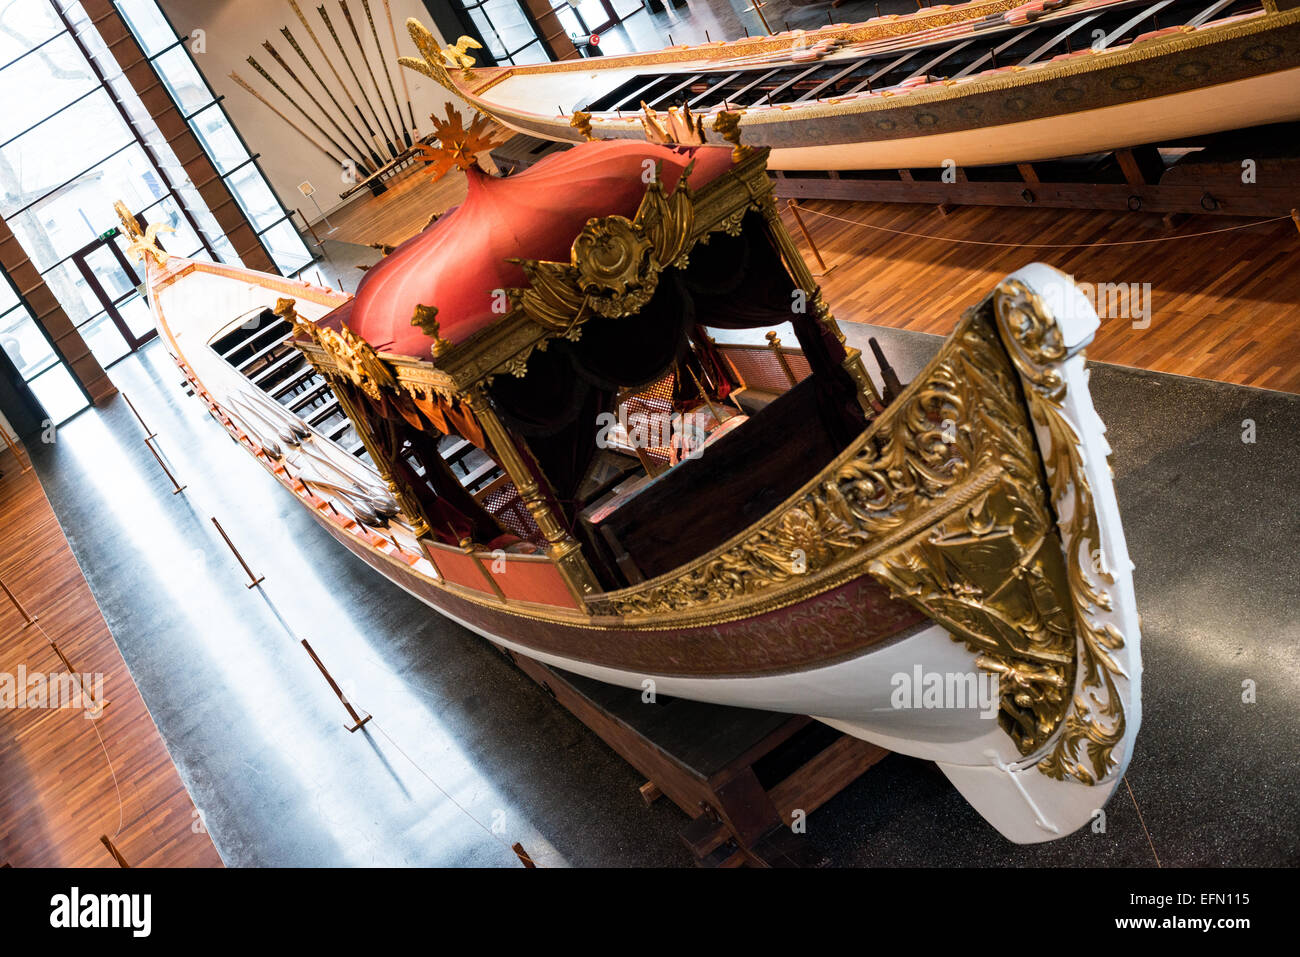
x: 561, y: 546
x: 803, y: 277
x: 189, y: 151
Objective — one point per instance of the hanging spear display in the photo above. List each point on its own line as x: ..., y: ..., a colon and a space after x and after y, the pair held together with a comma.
x: 337, y: 105
x: 330, y: 63
x: 347, y: 15
x: 383, y: 61
x: 271, y: 106
x: 360, y: 164
x: 275, y: 55
x: 406, y: 91
x: 329, y: 25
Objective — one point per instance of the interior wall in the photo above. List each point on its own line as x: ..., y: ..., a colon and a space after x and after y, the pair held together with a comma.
x: 235, y: 29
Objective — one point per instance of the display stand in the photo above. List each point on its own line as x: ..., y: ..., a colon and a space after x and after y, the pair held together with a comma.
x: 743, y: 776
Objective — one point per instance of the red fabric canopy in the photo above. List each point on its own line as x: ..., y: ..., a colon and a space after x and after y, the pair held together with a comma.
x: 459, y: 261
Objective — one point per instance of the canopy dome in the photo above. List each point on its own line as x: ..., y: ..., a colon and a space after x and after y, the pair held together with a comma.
x: 458, y: 263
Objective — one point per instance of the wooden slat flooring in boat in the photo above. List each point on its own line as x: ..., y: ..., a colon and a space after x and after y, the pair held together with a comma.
x: 1223, y: 306
x: 56, y: 791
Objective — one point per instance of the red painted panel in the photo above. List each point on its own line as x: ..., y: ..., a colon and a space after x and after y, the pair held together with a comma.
x: 461, y: 569
x: 525, y: 580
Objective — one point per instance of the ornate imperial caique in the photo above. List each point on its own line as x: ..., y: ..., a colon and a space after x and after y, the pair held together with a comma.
x: 818, y: 544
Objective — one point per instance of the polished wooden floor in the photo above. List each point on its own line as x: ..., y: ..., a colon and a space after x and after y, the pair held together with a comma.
x: 57, y: 793
x: 1224, y: 306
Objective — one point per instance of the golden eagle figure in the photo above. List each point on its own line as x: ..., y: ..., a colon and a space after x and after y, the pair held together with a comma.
x: 458, y: 55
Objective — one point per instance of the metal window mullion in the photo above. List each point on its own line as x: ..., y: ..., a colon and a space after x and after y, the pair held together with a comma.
x: 67, y: 182
x: 28, y: 53
x: 126, y: 117
x: 50, y: 116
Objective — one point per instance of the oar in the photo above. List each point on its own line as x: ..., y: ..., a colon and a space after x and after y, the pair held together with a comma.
x: 347, y: 15
x: 270, y: 106
x: 269, y: 79
x: 333, y: 99
x: 397, y: 104
x: 329, y: 25
x: 275, y: 55
x: 406, y: 91
x: 330, y: 63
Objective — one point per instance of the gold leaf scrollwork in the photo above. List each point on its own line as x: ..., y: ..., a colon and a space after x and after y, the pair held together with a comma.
x: 355, y: 360
x: 614, y: 263
x: 142, y: 242
x: 1095, y: 722
x: 431, y: 61
x: 613, y: 266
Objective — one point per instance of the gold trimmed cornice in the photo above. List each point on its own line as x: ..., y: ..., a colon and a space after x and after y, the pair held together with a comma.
x: 613, y: 269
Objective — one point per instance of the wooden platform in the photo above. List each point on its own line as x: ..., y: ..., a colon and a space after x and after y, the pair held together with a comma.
x: 747, y: 779
x: 57, y: 793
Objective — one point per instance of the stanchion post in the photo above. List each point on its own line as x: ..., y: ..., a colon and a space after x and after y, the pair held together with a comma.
x: 254, y: 580
x: 148, y: 432
x: 357, y: 720
x: 524, y: 859
x: 117, y: 855
x: 29, y: 619
x: 177, y: 487
x: 794, y: 210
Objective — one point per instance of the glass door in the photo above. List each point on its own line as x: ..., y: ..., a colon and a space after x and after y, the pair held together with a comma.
x: 123, y: 322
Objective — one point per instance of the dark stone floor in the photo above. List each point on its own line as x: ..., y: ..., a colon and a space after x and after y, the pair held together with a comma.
x: 260, y: 741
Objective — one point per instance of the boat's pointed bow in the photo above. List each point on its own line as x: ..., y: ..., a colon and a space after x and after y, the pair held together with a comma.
x: 1044, y: 322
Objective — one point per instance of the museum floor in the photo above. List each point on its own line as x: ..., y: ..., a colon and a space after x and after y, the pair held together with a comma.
x: 462, y: 740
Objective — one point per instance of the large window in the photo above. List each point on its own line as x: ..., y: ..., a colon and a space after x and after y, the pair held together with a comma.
x: 37, y: 362
x: 208, y: 119
x: 75, y: 137
x: 509, y: 34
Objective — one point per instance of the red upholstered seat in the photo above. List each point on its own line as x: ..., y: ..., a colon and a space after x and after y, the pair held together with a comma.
x: 459, y: 262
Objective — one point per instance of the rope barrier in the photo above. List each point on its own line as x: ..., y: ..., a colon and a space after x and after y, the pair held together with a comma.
x: 981, y: 242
